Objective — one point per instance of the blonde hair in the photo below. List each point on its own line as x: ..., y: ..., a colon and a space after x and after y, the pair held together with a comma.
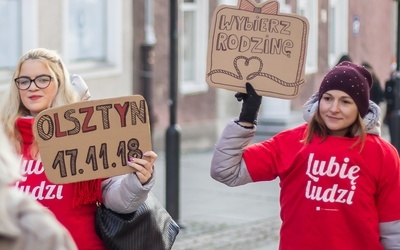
x: 318, y: 127
x: 12, y: 107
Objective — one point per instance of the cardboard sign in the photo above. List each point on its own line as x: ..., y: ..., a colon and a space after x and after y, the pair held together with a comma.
x: 254, y: 43
x: 92, y: 139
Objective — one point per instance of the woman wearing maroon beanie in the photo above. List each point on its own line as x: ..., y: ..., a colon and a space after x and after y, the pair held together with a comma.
x: 340, y: 181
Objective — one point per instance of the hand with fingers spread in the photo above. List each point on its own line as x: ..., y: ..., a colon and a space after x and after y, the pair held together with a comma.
x: 144, y: 168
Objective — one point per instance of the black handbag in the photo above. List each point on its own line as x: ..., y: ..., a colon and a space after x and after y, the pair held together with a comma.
x: 150, y: 227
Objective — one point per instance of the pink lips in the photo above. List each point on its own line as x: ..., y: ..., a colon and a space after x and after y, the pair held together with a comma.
x: 34, y: 97
x: 332, y: 118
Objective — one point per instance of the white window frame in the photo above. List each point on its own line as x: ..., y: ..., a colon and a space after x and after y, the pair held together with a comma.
x: 198, y: 85
x: 114, y: 60
x: 30, y: 26
x: 29, y: 36
x: 310, y: 10
x: 228, y: 2
x: 339, y: 35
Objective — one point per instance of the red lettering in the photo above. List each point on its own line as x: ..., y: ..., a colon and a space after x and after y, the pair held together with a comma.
x: 57, y: 125
x: 122, y: 111
x: 89, y: 113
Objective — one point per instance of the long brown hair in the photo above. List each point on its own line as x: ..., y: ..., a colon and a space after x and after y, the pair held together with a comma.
x: 318, y: 127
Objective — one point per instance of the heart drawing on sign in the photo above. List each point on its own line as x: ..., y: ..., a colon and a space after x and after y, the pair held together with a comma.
x: 246, y: 67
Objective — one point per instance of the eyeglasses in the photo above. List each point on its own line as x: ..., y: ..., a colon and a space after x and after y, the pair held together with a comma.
x: 24, y: 83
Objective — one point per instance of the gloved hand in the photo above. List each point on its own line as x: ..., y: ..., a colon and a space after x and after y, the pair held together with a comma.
x: 251, y: 104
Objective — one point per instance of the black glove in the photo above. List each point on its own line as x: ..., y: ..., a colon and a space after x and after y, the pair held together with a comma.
x: 251, y: 104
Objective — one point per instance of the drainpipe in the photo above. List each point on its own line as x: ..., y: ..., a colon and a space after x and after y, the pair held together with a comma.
x: 147, y: 58
x: 172, y: 146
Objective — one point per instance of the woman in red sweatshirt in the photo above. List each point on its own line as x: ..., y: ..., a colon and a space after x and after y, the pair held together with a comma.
x: 42, y: 81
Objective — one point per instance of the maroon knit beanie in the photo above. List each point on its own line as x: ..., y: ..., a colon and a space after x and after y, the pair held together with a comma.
x: 353, y: 79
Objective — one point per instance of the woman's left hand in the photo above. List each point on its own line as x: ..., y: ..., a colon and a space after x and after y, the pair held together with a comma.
x: 144, y: 168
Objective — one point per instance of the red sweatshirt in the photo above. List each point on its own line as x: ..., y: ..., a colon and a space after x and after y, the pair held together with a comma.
x: 332, y: 197
x: 60, y: 199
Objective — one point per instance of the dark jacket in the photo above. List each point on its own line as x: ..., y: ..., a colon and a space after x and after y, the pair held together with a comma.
x: 390, y: 98
x: 376, y: 92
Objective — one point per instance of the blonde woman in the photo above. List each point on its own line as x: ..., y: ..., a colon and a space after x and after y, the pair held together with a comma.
x: 42, y: 81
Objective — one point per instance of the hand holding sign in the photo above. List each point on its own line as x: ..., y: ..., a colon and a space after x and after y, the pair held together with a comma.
x: 253, y: 43
x: 93, y: 139
x: 251, y: 105
x: 144, y: 168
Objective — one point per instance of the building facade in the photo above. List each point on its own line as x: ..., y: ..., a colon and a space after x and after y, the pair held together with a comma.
x: 122, y: 47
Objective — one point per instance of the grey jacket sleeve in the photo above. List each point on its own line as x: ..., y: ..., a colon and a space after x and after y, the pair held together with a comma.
x: 227, y: 165
x: 125, y: 193
x: 390, y: 234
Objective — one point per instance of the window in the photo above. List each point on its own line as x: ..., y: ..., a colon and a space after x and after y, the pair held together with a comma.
x: 10, y: 24
x: 193, y: 46
x: 19, y: 21
x: 87, y: 29
x: 228, y: 2
x: 338, y: 30
x: 309, y: 9
x: 92, y: 35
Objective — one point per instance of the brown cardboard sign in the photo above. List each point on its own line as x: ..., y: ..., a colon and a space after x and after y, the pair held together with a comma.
x: 92, y: 139
x: 254, y: 43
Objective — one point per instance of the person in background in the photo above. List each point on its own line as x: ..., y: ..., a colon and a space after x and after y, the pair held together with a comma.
x: 339, y: 180
x: 42, y: 81
x: 344, y: 58
x: 24, y: 223
x: 391, y: 97
x: 376, y: 92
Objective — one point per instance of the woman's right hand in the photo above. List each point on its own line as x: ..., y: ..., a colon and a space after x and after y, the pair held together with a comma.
x: 250, y: 107
x: 144, y: 168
